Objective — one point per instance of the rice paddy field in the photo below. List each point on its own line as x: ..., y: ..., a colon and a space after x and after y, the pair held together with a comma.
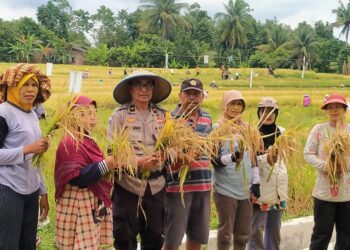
x: 286, y: 86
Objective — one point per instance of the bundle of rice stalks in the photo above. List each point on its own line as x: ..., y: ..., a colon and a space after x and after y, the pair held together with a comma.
x: 52, y: 124
x: 338, y: 150
x: 123, y: 152
x: 225, y: 132
x: 250, y: 140
x: 285, y: 146
x: 177, y: 140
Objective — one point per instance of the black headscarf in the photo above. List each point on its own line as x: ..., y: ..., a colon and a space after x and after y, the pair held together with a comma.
x: 272, y: 130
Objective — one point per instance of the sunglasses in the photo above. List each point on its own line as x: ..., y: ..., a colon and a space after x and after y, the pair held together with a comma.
x: 141, y: 85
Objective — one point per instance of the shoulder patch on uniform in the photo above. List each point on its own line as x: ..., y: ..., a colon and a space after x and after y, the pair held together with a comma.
x: 157, y: 106
x: 121, y: 107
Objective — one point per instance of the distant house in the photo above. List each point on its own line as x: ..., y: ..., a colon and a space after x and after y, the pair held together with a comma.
x: 77, y: 55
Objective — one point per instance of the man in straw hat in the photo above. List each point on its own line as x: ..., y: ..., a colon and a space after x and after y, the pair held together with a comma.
x: 138, y: 96
x: 192, y: 217
x: 21, y: 184
x: 331, y: 196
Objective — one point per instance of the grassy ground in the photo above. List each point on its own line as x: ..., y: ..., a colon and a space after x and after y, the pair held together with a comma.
x: 287, y: 87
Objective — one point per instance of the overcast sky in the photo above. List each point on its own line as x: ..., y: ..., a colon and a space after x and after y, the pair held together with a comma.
x: 290, y: 12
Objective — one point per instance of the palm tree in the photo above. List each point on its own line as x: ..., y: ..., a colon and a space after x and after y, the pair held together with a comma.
x: 163, y: 16
x: 343, y: 19
x: 233, y: 24
x: 303, y: 44
x: 278, y: 36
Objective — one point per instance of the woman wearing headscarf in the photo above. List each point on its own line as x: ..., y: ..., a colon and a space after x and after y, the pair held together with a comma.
x: 83, y: 203
x: 21, y: 184
x: 331, y: 206
x: 230, y: 194
x: 267, y: 210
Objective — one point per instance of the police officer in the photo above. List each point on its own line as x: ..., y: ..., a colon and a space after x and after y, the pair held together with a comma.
x: 139, y: 95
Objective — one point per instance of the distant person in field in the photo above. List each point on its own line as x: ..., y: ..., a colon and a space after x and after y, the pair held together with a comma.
x: 125, y: 72
x: 213, y: 85
x: 226, y: 73
x: 331, y: 196
x: 83, y: 218
x: 110, y: 72
x: 23, y: 193
x: 197, y: 70
x: 222, y: 72
x: 268, y: 208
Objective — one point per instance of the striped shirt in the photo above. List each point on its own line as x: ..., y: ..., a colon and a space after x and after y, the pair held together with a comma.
x: 199, y: 175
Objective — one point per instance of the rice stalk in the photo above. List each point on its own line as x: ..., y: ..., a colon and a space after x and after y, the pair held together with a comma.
x: 285, y: 146
x: 51, y: 126
x: 250, y: 140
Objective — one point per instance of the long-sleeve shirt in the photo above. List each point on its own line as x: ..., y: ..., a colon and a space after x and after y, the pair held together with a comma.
x: 316, y: 156
x: 228, y: 179
x: 16, y: 170
x: 90, y: 174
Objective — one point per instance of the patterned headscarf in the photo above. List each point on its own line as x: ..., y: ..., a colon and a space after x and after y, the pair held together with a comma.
x: 13, y: 76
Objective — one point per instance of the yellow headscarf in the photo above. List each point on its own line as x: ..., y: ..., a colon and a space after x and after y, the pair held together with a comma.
x: 13, y: 92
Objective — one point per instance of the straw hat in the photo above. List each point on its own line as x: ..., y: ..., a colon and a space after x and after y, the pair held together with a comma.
x: 161, y: 88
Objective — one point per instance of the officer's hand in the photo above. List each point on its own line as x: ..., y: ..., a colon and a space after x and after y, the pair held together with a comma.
x: 149, y: 162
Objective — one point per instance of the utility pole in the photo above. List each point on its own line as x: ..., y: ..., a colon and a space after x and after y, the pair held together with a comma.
x: 302, y: 73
